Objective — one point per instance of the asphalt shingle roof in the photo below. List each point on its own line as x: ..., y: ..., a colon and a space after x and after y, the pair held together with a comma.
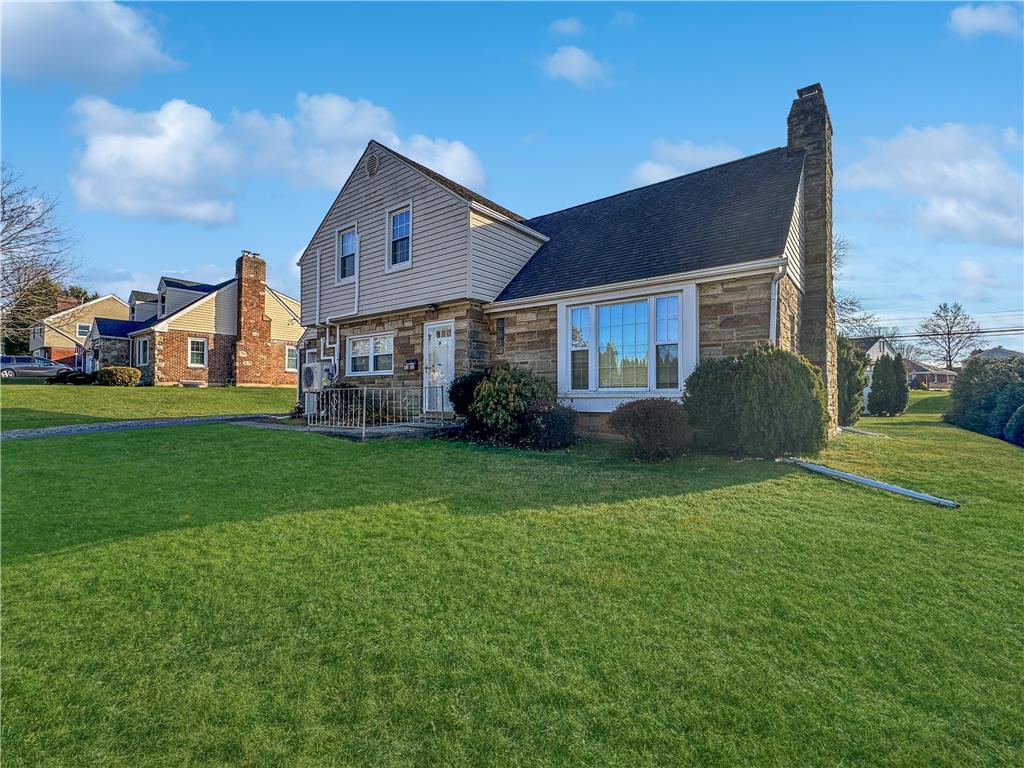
x: 144, y: 296
x: 729, y: 214
x: 188, y: 285
x: 118, y: 329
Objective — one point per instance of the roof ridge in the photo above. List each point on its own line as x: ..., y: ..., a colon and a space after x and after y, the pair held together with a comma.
x: 663, y: 181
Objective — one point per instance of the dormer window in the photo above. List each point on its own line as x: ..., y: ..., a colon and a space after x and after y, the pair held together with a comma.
x: 400, y: 238
x: 163, y: 304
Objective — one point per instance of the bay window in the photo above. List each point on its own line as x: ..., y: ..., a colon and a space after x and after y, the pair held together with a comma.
x: 370, y: 355
x: 627, y: 345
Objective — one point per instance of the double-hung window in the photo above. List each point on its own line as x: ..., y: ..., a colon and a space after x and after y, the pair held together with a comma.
x: 400, y: 238
x: 622, y: 345
x: 371, y: 355
x: 579, y: 348
x: 142, y: 351
x: 83, y: 329
x: 291, y: 359
x: 345, y: 260
x: 197, y: 353
x: 666, y: 350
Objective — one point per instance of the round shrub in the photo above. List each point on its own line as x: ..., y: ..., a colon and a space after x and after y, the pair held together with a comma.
x: 710, y: 405
x: 656, y: 426
x: 118, y: 376
x: 782, y: 404
x: 1014, y: 431
x: 502, y: 401
x: 462, y: 390
x: 550, y: 427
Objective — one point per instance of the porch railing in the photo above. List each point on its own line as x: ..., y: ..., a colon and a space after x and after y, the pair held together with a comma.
x: 364, y: 408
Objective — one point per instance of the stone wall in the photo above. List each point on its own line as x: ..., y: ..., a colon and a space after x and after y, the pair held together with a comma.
x: 170, y: 353
x: 111, y: 351
x: 789, y: 299
x: 734, y: 315
x: 471, y: 343
x: 531, y: 340
x: 149, y: 369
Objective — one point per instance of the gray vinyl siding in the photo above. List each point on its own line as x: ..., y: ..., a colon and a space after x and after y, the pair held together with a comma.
x: 144, y: 310
x: 440, y: 245
x: 497, y: 253
x: 177, y: 298
x: 794, y: 250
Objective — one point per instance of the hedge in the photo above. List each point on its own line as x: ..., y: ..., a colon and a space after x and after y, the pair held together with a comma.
x: 118, y: 376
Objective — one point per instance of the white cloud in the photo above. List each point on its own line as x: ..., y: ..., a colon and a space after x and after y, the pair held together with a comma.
x: 984, y: 18
x: 575, y: 65
x: 967, y: 190
x: 623, y: 19
x: 171, y: 163
x: 569, y: 26
x: 1010, y: 137
x: 974, y: 281
x: 319, y: 145
x: 669, y: 160
x: 98, y: 43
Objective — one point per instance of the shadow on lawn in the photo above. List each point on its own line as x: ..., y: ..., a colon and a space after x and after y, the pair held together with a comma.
x: 106, y: 487
x: 31, y: 418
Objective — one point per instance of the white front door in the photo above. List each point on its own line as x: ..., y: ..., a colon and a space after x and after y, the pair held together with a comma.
x: 438, y: 364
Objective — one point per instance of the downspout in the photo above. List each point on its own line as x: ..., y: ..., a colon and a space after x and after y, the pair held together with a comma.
x: 773, y: 321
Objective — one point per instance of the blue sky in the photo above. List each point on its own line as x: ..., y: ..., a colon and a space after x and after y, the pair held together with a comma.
x: 178, y: 134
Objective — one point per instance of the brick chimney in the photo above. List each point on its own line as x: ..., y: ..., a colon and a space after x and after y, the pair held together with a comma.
x: 66, y: 302
x: 252, y: 344
x: 810, y: 132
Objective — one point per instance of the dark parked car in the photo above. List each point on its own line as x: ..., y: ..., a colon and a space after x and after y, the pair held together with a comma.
x: 30, y: 367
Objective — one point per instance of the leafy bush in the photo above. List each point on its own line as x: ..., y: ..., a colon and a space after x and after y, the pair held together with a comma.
x: 118, y: 376
x: 889, y: 390
x: 710, y: 405
x: 782, y: 404
x: 502, y: 401
x: 656, y: 426
x: 1014, y: 431
x: 852, y: 364
x: 461, y: 392
x: 986, y: 395
x: 550, y: 427
x: 296, y: 411
x: 78, y: 378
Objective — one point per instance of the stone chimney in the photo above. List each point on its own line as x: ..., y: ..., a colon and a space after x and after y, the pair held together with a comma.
x: 252, y: 344
x: 810, y: 132
x: 66, y: 302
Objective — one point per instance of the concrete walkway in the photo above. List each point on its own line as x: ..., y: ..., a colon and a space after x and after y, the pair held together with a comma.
x: 123, y: 426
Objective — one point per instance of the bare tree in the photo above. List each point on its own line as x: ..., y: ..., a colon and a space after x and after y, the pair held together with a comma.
x: 851, y: 319
x: 906, y: 347
x: 949, y: 333
x: 35, y: 255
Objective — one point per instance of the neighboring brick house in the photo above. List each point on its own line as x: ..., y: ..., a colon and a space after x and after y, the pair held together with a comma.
x: 412, y: 279
x: 240, y: 332
x: 61, y: 336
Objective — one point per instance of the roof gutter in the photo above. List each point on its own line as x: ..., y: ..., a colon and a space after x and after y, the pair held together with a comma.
x: 759, y: 266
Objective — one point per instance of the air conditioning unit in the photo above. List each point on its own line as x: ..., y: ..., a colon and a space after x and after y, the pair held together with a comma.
x: 315, y: 376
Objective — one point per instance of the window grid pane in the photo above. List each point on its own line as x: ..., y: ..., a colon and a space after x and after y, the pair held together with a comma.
x: 197, y: 352
x: 622, y: 345
x: 667, y: 372
x: 400, y: 250
x: 581, y: 327
x: 667, y: 313
x: 580, y: 369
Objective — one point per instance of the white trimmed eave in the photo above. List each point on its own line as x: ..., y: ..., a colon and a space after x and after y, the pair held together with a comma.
x: 162, y: 326
x: 744, y: 269
x: 521, y: 228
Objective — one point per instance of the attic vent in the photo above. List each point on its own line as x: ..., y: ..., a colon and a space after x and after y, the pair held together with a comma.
x: 372, y: 165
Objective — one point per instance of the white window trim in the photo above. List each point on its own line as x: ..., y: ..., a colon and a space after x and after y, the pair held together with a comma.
x: 603, y: 400
x: 387, y: 239
x: 139, y: 343
x: 312, y: 356
x: 371, y: 372
x: 296, y: 368
x: 353, y: 227
x: 78, y: 330
x: 206, y: 352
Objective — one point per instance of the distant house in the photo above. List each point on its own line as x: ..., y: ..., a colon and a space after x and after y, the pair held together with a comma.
x: 61, y: 336
x: 240, y: 331
x: 932, y: 375
x: 997, y: 353
x: 874, y: 347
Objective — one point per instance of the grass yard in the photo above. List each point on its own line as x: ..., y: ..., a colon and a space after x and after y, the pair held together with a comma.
x: 42, y: 405
x: 222, y: 595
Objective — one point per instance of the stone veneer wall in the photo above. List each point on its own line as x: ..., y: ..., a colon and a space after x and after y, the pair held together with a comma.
x: 734, y: 315
x: 170, y: 355
x: 112, y: 351
x: 471, y: 344
x: 789, y: 315
x: 531, y: 340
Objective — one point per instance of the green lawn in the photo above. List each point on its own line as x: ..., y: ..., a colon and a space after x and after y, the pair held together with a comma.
x: 222, y: 595
x: 42, y: 405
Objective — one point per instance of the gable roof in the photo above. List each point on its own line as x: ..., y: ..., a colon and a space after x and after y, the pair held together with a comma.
x: 733, y: 213
x: 156, y: 319
x: 80, y: 307
x: 143, y: 296
x: 116, y: 329
x: 864, y: 343
x: 464, y: 192
x: 189, y: 285
x: 914, y: 366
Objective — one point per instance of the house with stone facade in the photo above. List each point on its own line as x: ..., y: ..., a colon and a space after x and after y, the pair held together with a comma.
x: 412, y: 279
x: 240, y: 332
